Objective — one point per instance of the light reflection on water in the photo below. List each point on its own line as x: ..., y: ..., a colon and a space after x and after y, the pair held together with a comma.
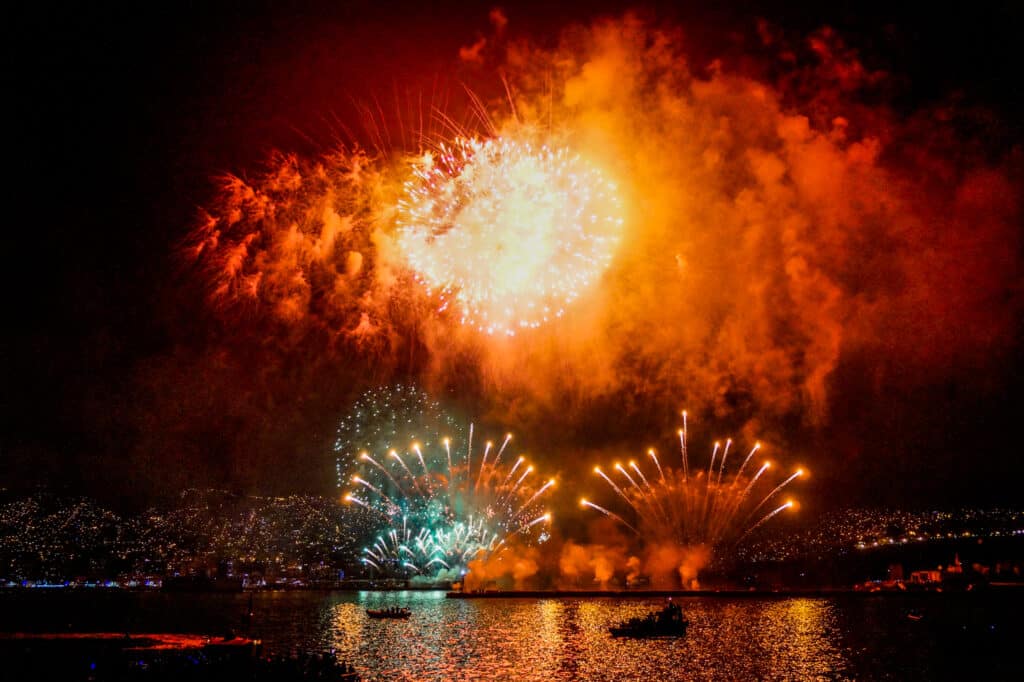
x: 835, y: 638
x: 799, y: 631
x: 531, y: 639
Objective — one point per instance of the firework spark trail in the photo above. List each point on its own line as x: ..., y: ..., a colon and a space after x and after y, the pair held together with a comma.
x: 670, y: 512
x: 469, y: 453
x: 367, y: 458
x: 765, y: 519
x: 508, y: 476
x: 708, y: 509
x: 757, y: 446
x: 682, y: 447
x: 448, y: 453
x: 597, y: 470
x: 610, y: 514
x: 483, y: 463
x: 548, y: 221
x: 737, y: 501
x: 529, y: 470
x: 659, y: 508
x: 640, y: 491
x: 705, y: 504
x: 746, y: 491
x: 634, y: 467
x: 497, y: 457
x: 363, y: 503
x: 533, y: 498
x: 398, y: 458
x: 716, y: 501
x: 711, y: 464
x: 725, y: 454
x: 775, y: 490
x: 367, y: 484
x: 654, y: 456
x: 529, y: 524
x: 621, y: 470
x: 419, y: 454
x: 617, y: 489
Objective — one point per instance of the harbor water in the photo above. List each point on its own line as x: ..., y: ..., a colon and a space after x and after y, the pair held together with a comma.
x: 967, y: 636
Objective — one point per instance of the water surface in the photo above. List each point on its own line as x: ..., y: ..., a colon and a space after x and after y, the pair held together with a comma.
x: 833, y: 638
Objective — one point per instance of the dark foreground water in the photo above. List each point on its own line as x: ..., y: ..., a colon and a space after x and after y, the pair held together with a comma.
x: 967, y: 636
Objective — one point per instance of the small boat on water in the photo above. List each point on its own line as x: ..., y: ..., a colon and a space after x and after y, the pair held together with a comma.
x: 392, y: 612
x: 668, y: 622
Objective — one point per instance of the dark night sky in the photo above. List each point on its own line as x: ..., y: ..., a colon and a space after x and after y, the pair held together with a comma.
x: 119, y: 116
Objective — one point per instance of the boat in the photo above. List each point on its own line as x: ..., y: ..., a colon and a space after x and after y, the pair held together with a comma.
x: 389, y: 613
x: 669, y: 622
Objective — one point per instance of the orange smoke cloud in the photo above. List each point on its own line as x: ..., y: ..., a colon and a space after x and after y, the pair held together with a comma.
x: 776, y: 227
x: 512, y: 567
x: 666, y: 564
x: 472, y: 53
x: 273, y: 240
x: 584, y: 565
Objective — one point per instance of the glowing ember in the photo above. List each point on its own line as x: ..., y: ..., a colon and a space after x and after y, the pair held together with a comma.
x: 507, y: 234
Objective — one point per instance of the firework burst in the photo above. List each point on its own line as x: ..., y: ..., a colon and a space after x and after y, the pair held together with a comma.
x: 439, y: 510
x: 714, y: 507
x: 294, y: 241
x: 506, y: 234
x: 389, y: 417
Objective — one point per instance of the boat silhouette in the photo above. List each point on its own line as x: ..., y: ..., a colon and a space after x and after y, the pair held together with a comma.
x: 668, y: 622
x: 392, y: 612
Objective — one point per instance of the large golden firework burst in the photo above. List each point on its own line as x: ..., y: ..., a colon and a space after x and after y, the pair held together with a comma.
x: 505, y: 233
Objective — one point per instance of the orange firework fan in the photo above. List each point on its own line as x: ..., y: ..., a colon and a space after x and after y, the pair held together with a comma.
x: 690, y: 507
x: 506, y: 233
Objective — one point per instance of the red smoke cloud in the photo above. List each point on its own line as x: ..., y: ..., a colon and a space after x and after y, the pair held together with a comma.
x: 781, y: 222
x: 777, y: 226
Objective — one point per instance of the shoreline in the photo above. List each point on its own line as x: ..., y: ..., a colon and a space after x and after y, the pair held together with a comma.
x: 722, y: 594
x: 783, y: 593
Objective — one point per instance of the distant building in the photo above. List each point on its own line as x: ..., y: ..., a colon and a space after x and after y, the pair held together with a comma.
x: 925, y: 577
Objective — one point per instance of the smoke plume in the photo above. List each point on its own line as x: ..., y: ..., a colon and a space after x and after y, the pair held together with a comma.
x: 781, y: 223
